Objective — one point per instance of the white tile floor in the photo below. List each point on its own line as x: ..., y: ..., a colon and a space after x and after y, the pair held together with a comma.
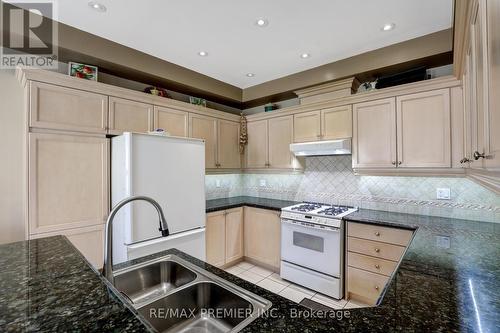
x: 274, y: 283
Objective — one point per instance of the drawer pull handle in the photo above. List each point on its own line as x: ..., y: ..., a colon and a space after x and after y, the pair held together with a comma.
x: 377, y: 233
x: 377, y: 288
x: 377, y: 250
x: 377, y: 266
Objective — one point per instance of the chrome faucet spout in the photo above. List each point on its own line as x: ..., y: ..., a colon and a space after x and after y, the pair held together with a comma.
x: 107, y: 269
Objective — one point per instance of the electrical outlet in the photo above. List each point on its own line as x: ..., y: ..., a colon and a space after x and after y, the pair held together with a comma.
x: 443, y: 193
x: 262, y: 183
x: 443, y: 242
x: 217, y: 183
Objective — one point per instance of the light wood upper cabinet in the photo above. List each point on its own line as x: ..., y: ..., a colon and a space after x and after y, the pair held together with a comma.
x: 307, y: 126
x: 262, y: 236
x: 280, y: 138
x: 68, y: 181
x: 492, y: 120
x: 234, y: 234
x: 257, y: 148
x: 215, y: 238
x: 203, y: 127
x: 129, y: 116
x: 336, y: 123
x: 374, y: 134
x: 423, y: 129
x: 228, y: 138
x: 55, y: 107
x: 173, y: 121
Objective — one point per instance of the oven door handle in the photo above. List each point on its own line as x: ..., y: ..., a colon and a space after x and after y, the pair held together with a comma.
x: 310, y: 225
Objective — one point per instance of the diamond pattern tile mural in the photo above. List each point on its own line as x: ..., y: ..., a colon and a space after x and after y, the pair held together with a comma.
x: 330, y: 179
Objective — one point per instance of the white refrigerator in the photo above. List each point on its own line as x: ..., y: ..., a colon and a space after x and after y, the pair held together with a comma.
x: 171, y: 170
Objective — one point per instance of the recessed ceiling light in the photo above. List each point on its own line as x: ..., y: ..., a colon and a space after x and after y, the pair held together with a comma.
x: 388, y: 26
x: 262, y: 22
x: 202, y: 54
x: 305, y: 55
x: 97, y: 6
x: 250, y: 74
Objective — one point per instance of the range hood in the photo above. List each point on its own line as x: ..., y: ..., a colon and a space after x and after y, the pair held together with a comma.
x: 322, y: 148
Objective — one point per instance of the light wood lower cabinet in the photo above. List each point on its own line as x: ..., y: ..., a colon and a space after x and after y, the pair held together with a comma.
x: 224, y: 236
x: 129, y: 116
x: 262, y: 236
x: 215, y: 238
x: 234, y: 234
x: 373, y: 255
x: 56, y: 107
x: 88, y: 240
x: 173, y: 121
x: 68, y: 181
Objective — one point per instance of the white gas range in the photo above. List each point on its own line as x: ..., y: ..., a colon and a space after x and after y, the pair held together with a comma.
x: 312, y: 246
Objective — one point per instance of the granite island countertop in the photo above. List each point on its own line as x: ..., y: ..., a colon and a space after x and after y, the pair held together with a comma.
x: 455, y: 289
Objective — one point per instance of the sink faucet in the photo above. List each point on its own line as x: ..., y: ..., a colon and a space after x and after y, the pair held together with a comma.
x: 107, y: 270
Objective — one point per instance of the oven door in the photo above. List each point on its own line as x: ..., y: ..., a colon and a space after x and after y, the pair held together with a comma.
x: 312, y: 246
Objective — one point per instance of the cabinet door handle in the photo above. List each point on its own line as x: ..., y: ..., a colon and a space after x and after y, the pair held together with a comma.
x: 377, y: 250
x: 400, y: 162
x: 377, y: 266
x: 478, y: 155
x: 377, y: 287
x: 393, y: 162
x: 377, y: 233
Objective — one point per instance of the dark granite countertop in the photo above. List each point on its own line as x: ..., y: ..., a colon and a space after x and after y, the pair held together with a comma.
x: 47, y: 286
x: 233, y: 202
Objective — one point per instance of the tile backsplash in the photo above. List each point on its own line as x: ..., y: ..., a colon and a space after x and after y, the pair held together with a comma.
x: 330, y: 179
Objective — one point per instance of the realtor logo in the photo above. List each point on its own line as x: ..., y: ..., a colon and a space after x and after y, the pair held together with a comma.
x: 29, y: 34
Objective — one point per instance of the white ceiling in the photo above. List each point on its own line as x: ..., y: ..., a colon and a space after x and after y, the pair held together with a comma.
x: 330, y: 30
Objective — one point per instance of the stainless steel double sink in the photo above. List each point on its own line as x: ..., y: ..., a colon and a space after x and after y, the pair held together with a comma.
x: 177, y: 296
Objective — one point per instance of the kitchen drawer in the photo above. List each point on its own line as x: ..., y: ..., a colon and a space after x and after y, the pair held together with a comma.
x: 375, y: 249
x: 365, y: 285
x: 377, y: 233
x: 375, y: 265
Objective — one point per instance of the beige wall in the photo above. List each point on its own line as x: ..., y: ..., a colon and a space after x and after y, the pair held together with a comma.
x: 12, y: 151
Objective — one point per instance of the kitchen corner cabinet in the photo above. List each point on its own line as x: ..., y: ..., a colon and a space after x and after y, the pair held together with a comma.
x: 221, y: 141
x: 68, y: 181
x: 262, y: 236
x: 269, y: 144
x: 173, y: 121
x: 129, y: 116
x: 224, y: 236
x: 326, y: 124
x: 410, y: 131
x: 55, y: 107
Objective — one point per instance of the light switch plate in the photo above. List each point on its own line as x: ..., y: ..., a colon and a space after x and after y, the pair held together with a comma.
x: 262, y: 183
x: 443, y: 242
x: 443, y: 193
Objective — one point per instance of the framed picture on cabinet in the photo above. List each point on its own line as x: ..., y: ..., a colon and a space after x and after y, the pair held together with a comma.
x: 82, y: 71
